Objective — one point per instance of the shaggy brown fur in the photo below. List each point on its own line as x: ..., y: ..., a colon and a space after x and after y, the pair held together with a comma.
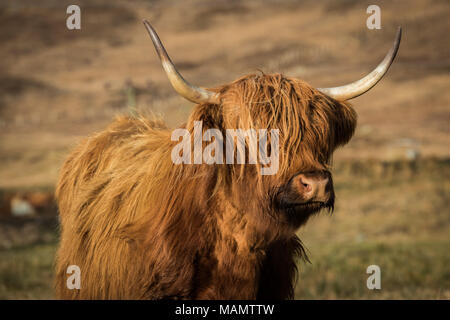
x: 140, y: 227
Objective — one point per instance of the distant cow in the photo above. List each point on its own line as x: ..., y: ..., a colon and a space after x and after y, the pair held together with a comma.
x: 140, y: 226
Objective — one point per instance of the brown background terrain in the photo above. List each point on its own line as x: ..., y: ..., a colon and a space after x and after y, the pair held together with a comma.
x: 392, y: 179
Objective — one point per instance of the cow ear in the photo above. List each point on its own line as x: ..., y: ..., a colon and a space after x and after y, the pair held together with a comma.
x: 344, y: 124
x: 210, y: 120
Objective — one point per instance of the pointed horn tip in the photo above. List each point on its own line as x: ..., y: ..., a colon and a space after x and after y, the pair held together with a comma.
x: 399, y: 32
x: 148, y: 26
x: 398, y: 35
x: 396, y: 46
x: 186, y: 90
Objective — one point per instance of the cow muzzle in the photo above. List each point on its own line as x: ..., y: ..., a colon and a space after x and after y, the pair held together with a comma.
x: 308, y: 189
x: 314, y: 187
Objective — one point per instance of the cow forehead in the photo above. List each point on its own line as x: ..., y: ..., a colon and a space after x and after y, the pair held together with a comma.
x: 287, y: 104
x: 311, y: 125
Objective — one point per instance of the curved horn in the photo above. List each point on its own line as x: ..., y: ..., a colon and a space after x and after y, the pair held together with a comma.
x: 186, y: 90
x: 363, y: 85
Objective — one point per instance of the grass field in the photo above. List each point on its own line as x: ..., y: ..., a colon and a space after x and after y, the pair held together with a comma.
x: 394, y: 215
x: 397, y: 218
x: 27, y: 272
x: 409, y: 270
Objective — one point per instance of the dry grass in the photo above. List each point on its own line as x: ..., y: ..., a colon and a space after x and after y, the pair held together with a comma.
x: 393, y: 215
x: 27, y: 272
x: 409, y: 270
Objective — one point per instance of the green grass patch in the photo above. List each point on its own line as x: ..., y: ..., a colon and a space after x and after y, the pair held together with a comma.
x: 408, y: 271
x: 27, y: 272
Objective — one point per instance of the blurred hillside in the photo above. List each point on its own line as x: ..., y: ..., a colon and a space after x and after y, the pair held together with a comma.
x: 58, y: 85
x: 392, y: 179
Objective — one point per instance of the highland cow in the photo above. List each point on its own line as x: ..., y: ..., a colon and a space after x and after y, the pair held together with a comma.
x: 141, y: 227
